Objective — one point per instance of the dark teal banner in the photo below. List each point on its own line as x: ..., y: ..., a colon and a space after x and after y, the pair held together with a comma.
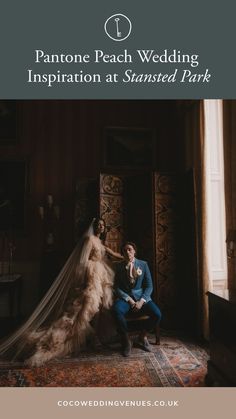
x: 117, y: 50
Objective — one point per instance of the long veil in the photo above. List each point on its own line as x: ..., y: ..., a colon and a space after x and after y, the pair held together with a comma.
x: 51, y: 305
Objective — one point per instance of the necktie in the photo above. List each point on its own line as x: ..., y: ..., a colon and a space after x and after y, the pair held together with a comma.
x: 131, y: 265
x: 130, y: 273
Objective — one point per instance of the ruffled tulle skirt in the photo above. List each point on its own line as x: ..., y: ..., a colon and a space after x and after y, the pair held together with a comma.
x: 67, y: 333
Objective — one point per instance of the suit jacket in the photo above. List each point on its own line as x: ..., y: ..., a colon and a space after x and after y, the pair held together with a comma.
x: 143, y: 286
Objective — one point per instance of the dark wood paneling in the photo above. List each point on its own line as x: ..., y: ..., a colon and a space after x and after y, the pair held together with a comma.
x: 62, y: 142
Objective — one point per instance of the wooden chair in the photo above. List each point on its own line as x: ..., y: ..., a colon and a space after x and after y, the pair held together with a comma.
x: 134, y: 318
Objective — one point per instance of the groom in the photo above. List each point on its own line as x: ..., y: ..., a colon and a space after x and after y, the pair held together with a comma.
x: 133, y: 289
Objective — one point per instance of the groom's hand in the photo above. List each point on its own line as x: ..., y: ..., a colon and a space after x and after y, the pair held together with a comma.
x: 138, y: 305
x: 131, y: 302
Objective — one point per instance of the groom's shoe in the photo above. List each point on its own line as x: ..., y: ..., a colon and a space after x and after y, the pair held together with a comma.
x: 144, y: 343
x: 126, y: 345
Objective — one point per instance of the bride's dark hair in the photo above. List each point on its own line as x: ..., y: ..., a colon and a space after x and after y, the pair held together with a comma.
x: 95, y: 227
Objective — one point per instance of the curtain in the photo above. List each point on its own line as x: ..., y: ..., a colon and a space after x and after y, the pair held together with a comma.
x: 196, y: 157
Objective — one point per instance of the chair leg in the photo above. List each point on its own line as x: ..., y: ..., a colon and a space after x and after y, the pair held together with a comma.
x: 157, y: 333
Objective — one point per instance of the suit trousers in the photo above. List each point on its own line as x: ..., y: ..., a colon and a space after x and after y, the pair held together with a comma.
x: 121, y: 308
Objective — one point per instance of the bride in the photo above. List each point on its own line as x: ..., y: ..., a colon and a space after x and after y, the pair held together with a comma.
x: 61, y: 322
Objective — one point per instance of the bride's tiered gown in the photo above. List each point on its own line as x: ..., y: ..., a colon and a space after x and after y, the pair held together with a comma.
x: 90, y: 290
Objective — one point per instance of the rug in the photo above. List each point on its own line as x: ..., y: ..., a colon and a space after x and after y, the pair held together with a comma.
x: 174, y: 363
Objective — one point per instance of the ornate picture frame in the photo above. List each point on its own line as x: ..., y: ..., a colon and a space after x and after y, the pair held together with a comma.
x: 127, y: 147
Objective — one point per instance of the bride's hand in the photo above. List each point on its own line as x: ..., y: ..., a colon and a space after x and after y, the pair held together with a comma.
x: 112, y: 253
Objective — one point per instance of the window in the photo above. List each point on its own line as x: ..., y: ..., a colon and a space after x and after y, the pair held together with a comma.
x: 215, y: 195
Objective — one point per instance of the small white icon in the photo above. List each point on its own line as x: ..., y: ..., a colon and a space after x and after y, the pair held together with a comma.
x: 118, y: 27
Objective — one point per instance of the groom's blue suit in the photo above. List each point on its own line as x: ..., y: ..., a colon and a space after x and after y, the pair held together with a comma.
x: 143, y: 285
x: 141, y: 289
